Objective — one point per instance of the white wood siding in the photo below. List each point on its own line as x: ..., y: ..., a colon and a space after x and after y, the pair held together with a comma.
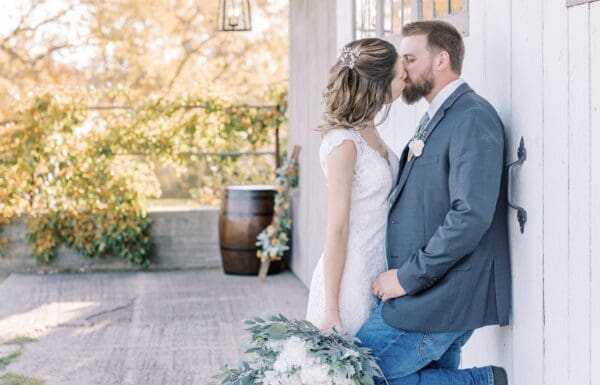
x: 579, y: 196
x: 556, y: 186
x: 312, y: 51
x: 492, y: 344
x: 538, y: 63
x: 595, y: 190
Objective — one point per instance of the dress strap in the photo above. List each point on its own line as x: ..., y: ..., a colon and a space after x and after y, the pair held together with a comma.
x: 336, y: 137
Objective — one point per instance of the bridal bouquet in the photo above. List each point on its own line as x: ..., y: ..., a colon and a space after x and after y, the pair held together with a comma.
x: 295, y: 352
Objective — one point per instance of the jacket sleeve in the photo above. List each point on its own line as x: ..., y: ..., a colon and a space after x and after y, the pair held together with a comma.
x: 476, y: 162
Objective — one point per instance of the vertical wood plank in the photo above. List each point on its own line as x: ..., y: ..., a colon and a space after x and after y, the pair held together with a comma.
x: 323, y: 47
x: 313, y: 30
x: 527, y: 248
x: 579, y: 196
x: 556, y: 191
x: 595, y: 190
x: 498, y: 57
x: 475, y: 47
x: 344, y: 22
x: 297, y: 113
x: 492, y: 345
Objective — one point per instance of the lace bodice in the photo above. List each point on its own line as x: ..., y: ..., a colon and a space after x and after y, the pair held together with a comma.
x: 373, y: 180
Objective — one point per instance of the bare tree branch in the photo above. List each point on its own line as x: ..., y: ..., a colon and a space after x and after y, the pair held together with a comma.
x: 55, y: 17
x: 25, y: 16
x: 188, y: 55
x: 20, y: 28
x: 222, y: 71
x: 189, y: 52
x: 51, y: 50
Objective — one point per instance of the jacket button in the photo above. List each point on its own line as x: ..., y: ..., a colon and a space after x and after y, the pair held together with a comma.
x: 393, y: 221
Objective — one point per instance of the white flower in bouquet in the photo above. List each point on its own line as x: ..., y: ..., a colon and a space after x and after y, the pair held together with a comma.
x: 294, y: 355
x: 292, y: 379
x: 339, y: 379
x: 347, y: 371
x: 271, y: 377
x: 316, y: 373
x: 350, y: 353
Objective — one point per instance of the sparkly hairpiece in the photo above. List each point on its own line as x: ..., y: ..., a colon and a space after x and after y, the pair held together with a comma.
x: 349, y: 56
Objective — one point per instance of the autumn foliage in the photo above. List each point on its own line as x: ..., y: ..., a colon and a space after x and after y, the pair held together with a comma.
x: 95, y: 96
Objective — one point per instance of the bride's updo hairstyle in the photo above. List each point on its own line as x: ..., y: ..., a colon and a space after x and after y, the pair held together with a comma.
x: 359, y: 84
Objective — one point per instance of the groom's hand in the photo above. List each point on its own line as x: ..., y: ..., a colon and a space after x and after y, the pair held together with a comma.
x: 386, y: 285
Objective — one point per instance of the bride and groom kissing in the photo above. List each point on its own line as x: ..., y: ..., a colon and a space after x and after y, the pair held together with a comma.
x: 416, y: 254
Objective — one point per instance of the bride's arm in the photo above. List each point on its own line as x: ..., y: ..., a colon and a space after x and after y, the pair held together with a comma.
x: 340, y: 168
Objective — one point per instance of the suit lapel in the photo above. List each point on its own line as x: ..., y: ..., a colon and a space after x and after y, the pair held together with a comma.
x: 403, y: 158
x: 396, y: 190
x: 406, y: 166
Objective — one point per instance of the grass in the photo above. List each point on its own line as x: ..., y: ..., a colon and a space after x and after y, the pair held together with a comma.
x: 15, y: 379
x: 4, y: 361
x: 19, y: 340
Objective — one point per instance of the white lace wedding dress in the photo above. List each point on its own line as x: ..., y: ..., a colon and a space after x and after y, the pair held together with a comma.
x: 373, y: 180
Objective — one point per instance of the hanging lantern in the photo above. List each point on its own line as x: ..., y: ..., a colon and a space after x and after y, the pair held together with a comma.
x: 234, y: 15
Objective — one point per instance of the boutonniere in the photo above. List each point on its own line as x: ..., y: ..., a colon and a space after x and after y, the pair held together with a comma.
x: 416, y: 145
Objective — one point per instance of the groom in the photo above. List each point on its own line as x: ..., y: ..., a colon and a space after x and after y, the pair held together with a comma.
x: 446, y: 241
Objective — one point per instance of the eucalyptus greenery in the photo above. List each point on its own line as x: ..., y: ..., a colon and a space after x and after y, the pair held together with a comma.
x: 316, y: 358
x: 273, y: 241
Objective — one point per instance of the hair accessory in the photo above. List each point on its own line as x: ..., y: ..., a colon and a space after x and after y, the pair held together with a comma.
x: 349, y: 56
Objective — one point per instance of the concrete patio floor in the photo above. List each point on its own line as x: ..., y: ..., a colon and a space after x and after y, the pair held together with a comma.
x: 167, y: 327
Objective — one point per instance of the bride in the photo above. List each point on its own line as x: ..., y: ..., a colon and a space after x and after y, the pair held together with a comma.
x: 361, y: 171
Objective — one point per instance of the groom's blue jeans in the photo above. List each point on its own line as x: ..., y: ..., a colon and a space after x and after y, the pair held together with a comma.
x: 411, y: 358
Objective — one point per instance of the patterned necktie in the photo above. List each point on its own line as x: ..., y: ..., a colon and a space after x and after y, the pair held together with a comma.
x: 422, y: 123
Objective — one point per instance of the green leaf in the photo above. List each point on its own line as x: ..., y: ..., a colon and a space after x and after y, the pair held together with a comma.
x: 278, y: 332
x: 366, y: 380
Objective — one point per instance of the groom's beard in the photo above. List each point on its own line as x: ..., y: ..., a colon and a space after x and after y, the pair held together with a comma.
x: 414, y: 91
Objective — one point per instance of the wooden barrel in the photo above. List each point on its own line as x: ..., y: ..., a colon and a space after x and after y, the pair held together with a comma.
x: 245, y: 211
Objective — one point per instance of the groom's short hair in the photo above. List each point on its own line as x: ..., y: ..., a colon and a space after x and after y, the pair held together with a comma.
x: 440, y: 35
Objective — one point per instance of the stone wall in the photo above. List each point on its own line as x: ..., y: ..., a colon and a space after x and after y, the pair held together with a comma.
x: 182, y: 237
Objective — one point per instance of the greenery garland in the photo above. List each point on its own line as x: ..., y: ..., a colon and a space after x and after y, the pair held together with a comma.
x: 273, y: 242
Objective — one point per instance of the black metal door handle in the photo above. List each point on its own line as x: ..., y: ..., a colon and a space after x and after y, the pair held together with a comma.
x: 521, y: 213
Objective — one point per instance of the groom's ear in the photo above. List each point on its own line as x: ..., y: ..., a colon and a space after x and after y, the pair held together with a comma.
x: 442, y: 61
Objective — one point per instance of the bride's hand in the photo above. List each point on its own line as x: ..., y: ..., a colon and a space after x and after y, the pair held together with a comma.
x: 332, y: 319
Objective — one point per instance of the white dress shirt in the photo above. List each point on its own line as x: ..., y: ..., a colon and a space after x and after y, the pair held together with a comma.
x: 441, y: 97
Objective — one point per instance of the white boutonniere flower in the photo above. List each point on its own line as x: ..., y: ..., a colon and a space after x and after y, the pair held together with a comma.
x: 415, y: 148
x: 416, y: 145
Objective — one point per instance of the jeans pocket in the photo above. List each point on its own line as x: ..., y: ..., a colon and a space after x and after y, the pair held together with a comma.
x: 392, y: 341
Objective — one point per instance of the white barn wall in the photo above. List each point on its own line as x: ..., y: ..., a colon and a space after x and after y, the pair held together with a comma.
x: 527, y: 249
x: 537, y: 63
x: 595, y: 190
x: 556, y: 174
x: 491, y: 344
x: 312, y: 50
x: 579, y: 199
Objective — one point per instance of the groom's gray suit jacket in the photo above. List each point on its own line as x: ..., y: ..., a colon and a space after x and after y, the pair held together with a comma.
x: 447, y: 225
